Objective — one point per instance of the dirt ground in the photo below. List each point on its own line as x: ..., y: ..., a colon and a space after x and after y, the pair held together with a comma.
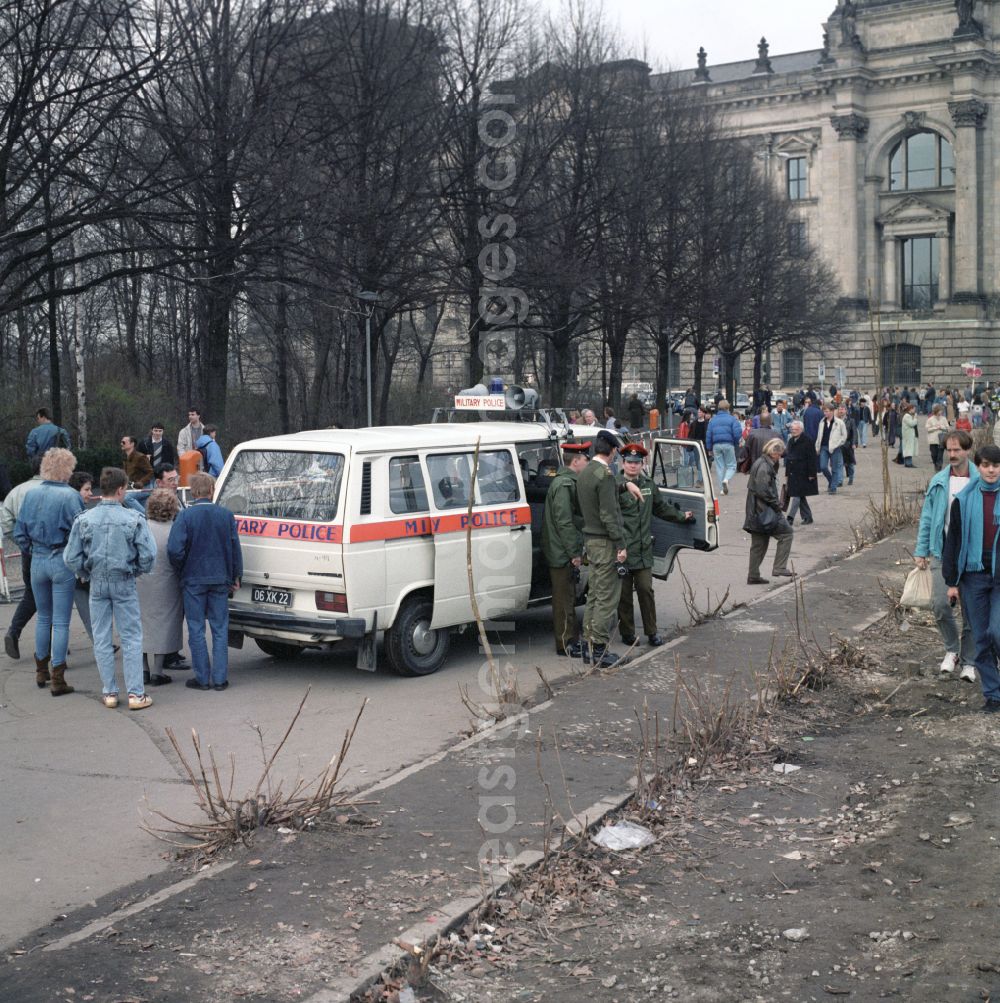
x: 868, y: 873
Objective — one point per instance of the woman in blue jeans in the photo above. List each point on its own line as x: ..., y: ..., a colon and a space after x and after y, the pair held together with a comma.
x: 969, y: 565
x: 42, y: 529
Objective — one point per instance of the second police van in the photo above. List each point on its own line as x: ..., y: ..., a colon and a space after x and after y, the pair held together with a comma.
x: 348, y: 533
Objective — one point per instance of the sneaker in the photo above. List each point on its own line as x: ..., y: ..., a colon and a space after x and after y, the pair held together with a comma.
x: 725, y: 487
x: 110, y: 700
x: 136, y: 702
x: 219, y: 687
x: 949, y: 663
x: 991, y: 707
x: 968, y: 673
x: 193, y: 684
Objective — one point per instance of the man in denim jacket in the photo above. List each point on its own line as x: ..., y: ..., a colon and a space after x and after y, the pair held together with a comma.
x: 204, y: 549
x: 941, y: 491
x: 110, y: 545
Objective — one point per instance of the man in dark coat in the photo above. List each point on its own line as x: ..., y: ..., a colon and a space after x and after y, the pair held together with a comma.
x: 759, y: 436
x: 811, y: 417
x: 562, y: 545
x: 802, y: 468
x: 157, y: 448
x: 636, y: 412
x: 764, y: 518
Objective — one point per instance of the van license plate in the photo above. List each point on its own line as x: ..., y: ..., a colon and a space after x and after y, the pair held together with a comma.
x: 272, y: 597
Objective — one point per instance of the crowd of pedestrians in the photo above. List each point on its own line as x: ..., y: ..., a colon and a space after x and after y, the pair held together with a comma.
x: 140, y: 565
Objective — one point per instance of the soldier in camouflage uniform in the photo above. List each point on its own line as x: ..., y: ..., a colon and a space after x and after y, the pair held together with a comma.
x: 637, y: 518
x: 562, y: 545
x: 604, y: 538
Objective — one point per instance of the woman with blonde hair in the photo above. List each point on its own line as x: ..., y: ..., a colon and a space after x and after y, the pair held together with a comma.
x: 42, y: 528
x: 160, y: 599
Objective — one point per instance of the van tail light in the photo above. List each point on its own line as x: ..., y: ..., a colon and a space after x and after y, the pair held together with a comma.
x: 331, y: 602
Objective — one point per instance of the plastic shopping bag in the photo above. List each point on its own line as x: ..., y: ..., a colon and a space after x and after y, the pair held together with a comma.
x: 917, y: 589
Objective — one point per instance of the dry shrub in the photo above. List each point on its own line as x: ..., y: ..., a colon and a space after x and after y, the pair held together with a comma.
x: 709, y: 727
x: 897, y: 510
x: 228, y: 820
x: 699, y: 614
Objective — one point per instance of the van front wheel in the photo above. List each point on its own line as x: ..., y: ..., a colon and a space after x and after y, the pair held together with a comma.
x: 412, y: 647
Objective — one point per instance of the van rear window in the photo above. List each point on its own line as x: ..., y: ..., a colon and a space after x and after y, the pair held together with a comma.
x: 280, y: 484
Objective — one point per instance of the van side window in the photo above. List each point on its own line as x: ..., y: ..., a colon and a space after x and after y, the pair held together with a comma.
x: 451, y: 477
x: 406, y: 485
x: 677, y: 467
x: 497, y: 480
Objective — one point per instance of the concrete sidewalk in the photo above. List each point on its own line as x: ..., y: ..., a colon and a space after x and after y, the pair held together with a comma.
x: 311, y: 916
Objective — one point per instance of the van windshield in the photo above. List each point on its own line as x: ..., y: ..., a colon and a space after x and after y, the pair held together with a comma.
x: 284, y: 485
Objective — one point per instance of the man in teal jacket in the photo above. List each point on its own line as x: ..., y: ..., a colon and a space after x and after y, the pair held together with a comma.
x: 944, y: 486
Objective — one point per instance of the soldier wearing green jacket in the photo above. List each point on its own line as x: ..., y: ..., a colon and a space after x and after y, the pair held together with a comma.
x: 604, y: 538
x: 562, y: 546
x: 637, y: 518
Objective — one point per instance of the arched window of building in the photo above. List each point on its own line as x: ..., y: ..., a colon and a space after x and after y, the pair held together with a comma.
x: 791, y: 367
x: 900, y: 365
x: 922, y: 160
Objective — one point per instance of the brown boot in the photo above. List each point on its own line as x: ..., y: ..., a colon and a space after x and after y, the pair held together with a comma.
x: 42, y: 672
x: 59, y: 685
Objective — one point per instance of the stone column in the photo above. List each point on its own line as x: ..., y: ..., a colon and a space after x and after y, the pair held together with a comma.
x: 968, y: 117
x: 851, y: 130
x: 890, y: 272
x: 944, y: 267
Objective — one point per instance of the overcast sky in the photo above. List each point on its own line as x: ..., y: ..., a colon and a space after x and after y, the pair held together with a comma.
x: 729, y: 29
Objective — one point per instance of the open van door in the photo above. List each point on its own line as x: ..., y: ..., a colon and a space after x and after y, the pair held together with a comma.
x: 682, y: 476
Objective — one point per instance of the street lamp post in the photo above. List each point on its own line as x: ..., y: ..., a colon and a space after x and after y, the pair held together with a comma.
x: 370, y: 299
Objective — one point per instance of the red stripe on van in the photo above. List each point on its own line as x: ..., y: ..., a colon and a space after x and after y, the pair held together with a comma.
x: 283, y: 529
x: 430, y: 525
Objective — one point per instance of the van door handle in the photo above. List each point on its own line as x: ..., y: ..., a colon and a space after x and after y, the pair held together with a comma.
x: 518, y: 529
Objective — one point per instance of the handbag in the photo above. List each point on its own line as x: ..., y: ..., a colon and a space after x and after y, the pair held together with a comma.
x: 783, y: 498
x: 766, y: 520
x: 743, y: 462
x: 917, y: 589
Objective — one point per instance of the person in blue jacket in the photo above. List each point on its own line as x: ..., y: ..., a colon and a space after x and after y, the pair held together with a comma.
x: 941, y: 492
x: 45, y: 435
x: 210, y: 451
x: 722, y: 438
x: 970, y: 567
x: 204, y: 550
x: 811, y: 417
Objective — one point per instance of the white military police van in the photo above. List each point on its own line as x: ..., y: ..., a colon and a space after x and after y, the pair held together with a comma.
x: 346, y: 533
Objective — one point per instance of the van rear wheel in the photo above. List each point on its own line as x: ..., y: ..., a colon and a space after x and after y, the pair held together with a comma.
x: 412, y: 647
x: 278, y: 649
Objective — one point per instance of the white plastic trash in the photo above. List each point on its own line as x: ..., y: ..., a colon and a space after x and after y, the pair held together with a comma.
x: 785, y: 767
x: 624, y: 836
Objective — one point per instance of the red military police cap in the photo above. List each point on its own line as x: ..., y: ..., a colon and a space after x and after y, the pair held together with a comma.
x: 633, y: 451
x: 575, y: 447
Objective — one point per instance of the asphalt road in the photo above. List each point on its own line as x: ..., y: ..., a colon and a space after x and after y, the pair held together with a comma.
x: 78, y: 778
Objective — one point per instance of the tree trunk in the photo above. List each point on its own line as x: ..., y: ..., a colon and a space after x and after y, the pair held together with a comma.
x: 758, y: 366
x: 81, y: 379
x: 281, y: 353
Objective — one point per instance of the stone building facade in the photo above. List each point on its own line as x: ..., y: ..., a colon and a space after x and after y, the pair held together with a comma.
x: 887, y: 140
